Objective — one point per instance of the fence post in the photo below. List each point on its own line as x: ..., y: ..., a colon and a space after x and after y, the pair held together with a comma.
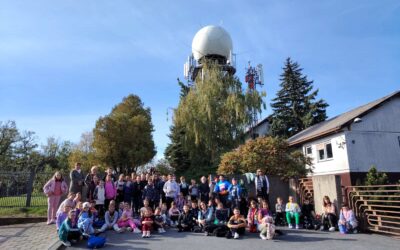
x: 30, y: 187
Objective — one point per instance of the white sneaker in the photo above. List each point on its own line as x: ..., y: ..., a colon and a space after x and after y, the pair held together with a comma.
x: 163, y: 230
x: 148, y: 234
x: 263, y: 237
x: 160, y: 230
x: 176, y: 223
x: 297, y: 227
x: 332, y: 229
x: 129, y: 229
x: 322, y: 228
x: 85, y: 234
x: 236, y: 236
x: 290, y: 226
x: 119, y: 230
x: 137, y: 230
x: 144, y: 235
x: 66, y: 243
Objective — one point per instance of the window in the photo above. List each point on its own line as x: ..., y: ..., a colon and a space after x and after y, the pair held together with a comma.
x: 308, y: 150
x: 325, y: 151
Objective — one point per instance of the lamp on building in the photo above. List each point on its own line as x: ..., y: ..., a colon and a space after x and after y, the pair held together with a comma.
x: 357, y: 120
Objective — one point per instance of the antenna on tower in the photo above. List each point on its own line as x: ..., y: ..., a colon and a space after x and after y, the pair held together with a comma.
x: 254, y: 76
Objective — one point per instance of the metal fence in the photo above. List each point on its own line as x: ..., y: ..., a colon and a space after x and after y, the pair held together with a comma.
x: 377, y: 207
x: 23, y: 189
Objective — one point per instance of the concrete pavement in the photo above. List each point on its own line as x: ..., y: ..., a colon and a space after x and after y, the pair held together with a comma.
x: 292, y: 239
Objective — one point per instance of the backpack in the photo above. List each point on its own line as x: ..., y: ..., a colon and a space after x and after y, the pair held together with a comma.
x: 96, y: 242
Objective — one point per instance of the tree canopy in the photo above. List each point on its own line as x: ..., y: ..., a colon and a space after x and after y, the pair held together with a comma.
x: 271, y: 154
x: 295, y: 106
x: 123, y: 139
x: 212, y: 117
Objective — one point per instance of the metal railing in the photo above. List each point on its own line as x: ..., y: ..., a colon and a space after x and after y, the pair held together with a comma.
x: 22, y: 189
x: 377, y: 207
x: 306, y: 189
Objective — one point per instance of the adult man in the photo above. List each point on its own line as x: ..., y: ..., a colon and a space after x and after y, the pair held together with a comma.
x: 262, y: 185
x: 170, y: 188
x: 221, y: 188
x: 77, y: 179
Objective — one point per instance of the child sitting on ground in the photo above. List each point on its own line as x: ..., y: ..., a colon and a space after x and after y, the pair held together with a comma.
x: 62, y: 215
x: 126, y: 220
x: 292, y: 212
x: 85, y: 221
x: 69, y: 231
x: 67, y: 202
x: 174, y: 213
x: 147, y: 222
x: 159, y: 222
x: 164, y: 214
x: 186, y: 220
x: 111, y: 218
x: 347, y: 220
x: 146, y: 206
x: 268, y: 228
x: 280, y: 212
x: 237, y: 223
x: 252, y: 217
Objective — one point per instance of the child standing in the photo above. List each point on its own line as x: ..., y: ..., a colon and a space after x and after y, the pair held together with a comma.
x: 110, y: 191
x: 193, y: 190
x: 54, y: 189
x: 69, y: 231
x: 235, y: 193
x: 150, y: 193
x: 292, y: 212
x: 119, y: 185
x: 237, y: 223
x: 99, y: 195
x: 110, y: 219
x: 85, y: 221
x: 180, y: 201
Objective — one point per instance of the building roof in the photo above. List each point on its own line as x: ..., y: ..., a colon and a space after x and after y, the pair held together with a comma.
x: 337, y: 123
x: 258, y: 124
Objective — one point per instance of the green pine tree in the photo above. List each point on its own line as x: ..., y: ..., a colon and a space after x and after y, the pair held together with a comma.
x: 375, y: 178
x: 295, y: 107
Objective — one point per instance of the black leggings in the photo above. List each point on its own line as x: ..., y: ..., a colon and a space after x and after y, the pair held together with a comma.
x: 239, y: 230
x: 329, y: 219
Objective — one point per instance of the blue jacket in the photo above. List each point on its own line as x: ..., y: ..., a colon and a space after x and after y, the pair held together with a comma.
x: 235, y: 195
x: 222, y: 186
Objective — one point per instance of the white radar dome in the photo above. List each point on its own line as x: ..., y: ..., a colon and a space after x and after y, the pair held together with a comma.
x: 212, y: 40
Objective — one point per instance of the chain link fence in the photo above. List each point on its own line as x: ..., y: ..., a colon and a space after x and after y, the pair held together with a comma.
x: 23, y: 189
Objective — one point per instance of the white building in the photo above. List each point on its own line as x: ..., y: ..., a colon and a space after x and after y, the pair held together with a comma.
x: 260, y: 130
x: 350, y: 143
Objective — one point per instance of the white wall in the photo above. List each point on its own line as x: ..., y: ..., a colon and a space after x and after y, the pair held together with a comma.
x: 339, y: 162
x: 376, y: 140
x: 261, y: 130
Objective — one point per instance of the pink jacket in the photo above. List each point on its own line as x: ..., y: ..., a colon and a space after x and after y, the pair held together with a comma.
x: 110, y: 190
x: 51, y: 184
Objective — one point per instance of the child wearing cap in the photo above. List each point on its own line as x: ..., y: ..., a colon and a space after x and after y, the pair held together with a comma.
x: 85, y: 221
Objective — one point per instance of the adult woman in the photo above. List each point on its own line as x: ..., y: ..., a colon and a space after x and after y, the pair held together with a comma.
x: 91, y: 181
x: 54, y: 188
x: 329, y: 218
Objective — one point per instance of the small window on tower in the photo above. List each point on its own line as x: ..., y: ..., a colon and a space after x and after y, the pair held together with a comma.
x: 329, y: 153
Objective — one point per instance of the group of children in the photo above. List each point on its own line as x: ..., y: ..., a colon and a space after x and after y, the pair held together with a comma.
x: 149, y: 203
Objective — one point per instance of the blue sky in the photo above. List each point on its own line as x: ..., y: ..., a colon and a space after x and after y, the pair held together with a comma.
x: 63, y: 64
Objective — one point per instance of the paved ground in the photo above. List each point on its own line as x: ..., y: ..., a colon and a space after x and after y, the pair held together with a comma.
x: 40, y: 236
x: 27, y: 236
x: 293, y: 239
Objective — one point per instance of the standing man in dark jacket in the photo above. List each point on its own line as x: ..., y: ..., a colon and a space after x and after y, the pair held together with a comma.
x: 137, y: 195
x: 204, y: 190
x: 77, y: 179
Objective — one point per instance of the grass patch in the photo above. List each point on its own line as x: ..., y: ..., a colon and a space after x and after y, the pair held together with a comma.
x: 14, y: 206
x: 20, y: 201
x: 23, y: 212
